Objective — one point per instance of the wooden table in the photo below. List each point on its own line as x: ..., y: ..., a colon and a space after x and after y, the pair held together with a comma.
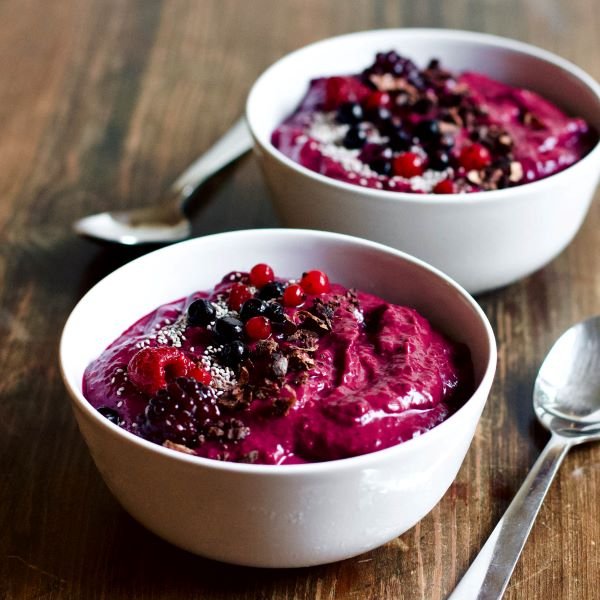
x: 102, y: 103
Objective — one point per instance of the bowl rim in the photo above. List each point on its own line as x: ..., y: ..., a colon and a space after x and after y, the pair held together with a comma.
x: 430, y: 198
x: 341, y: 465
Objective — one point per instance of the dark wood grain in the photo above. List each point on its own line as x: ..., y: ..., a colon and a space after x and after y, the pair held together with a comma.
x: 102, y: 103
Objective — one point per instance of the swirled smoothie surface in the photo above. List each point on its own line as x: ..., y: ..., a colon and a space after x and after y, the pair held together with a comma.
x: 274, y: 371
x: 398, y: 128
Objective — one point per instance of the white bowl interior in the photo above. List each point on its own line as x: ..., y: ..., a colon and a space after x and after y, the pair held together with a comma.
x: 278, y: 91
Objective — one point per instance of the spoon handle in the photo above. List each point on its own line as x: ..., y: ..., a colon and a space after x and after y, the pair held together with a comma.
x: 487, y: 577
x: 231, y: 145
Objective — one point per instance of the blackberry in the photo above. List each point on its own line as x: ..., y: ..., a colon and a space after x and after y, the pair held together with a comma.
x: 111, y: 414
x: 179, y: 412
x: 271, y: 290
x: 201, y: 312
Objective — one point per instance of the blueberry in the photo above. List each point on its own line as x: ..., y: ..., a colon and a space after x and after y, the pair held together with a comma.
x: 354, y: 138
x: 231, y: 355
x: 350, y: 113
x: 271, y: 290
x: 255, y: 307
x: 275, y: 312
x: 400, y: 141
x: 438, y: 161
x: 381, y: 165
x: 423, y: 105
x: 380, y: 115
x: 427, y: 130
x: 201, y: 312
x: 229, y: 328
x: 111, y: 414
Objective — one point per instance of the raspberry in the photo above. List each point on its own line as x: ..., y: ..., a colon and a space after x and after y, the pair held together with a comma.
x: 180, y: 412
x: 151, y: 368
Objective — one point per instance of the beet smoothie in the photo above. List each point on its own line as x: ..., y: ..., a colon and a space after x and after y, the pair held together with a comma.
x: 272, y: 371
x: 396, y: 127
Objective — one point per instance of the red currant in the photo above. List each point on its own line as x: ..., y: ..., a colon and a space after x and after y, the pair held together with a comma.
x: 377, y: 100
x: 314, y: 282
x: 200, y: 375
x: 261, y: 274
x: 409, y: 164
x: 475, y: 157
x: 258, y: 328
x: 445, y: 186
x: 238, y: 294
x: 293, y: 295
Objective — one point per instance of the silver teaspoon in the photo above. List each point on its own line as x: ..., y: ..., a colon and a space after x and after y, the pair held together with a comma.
x: 566, y: 400
x: 165, y: 220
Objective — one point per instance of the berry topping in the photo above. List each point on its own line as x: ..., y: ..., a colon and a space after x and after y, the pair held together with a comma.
x: 271, y: 290
x: 314, y: 282
x: 349, y: 113
x: 381, y: 165
x: 378, y: 99
x: 229, y: 328
x: 238, y: 294
x: 409, y: 164
x: 475, y: 157
x: 427, y: 131
x: 275, y: 312
x: 261, y: 274
x: 445, y: 186
x: 355, y: 138
x: 293, y: 295
x: 200, y: 375
x: 201, y: 312
x: 151, y: 368
x: 258, y: 328
x: 179, y: 412
x: 254, y: 307
x: 231, y: 355
x: 439, y: 160
x: 110, y: 413
x: 400, y: 140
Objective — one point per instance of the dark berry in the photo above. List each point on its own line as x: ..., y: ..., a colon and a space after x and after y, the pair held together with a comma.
x: 354, y: 138
x: 427, y: 131
x: 293, y: 295
x: 229, y: 328
x: 439, y: 160
x: 423, y: 105
x: 382, y: 166
x: 450, y: 100
x: 381, y: 116
x: 474, y: 156
x: 254, y: 307
x: 409, y: 164
x: 275, y: 312
x: 258, y: 328
x: 238, y: 294
x: 178, y: 412
x: 261, y: 274
x: 231, y: 355
x: 314, y: 282
x: 271, y: 290
x: 201, y: 313
x: 400, y: 140
x: 349, y: 113
x: 110, y: 413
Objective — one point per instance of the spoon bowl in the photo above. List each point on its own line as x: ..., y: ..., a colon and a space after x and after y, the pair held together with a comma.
x: 566, y: 400
x: 165, y: 221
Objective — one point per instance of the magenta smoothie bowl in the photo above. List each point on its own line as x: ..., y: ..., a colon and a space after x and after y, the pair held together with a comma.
x: 268, y: 370
x: 400, y: 128
x: 371, y: 403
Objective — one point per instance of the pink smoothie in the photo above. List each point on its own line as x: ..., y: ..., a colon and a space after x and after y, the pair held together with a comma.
x: 343, y: 374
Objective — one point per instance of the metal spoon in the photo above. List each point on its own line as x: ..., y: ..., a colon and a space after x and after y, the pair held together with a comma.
x: 566, y: 400
x: 165, y: 221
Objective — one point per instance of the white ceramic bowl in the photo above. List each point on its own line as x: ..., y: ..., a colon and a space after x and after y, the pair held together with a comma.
x: 261, y: 515
x: 483, y: 240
